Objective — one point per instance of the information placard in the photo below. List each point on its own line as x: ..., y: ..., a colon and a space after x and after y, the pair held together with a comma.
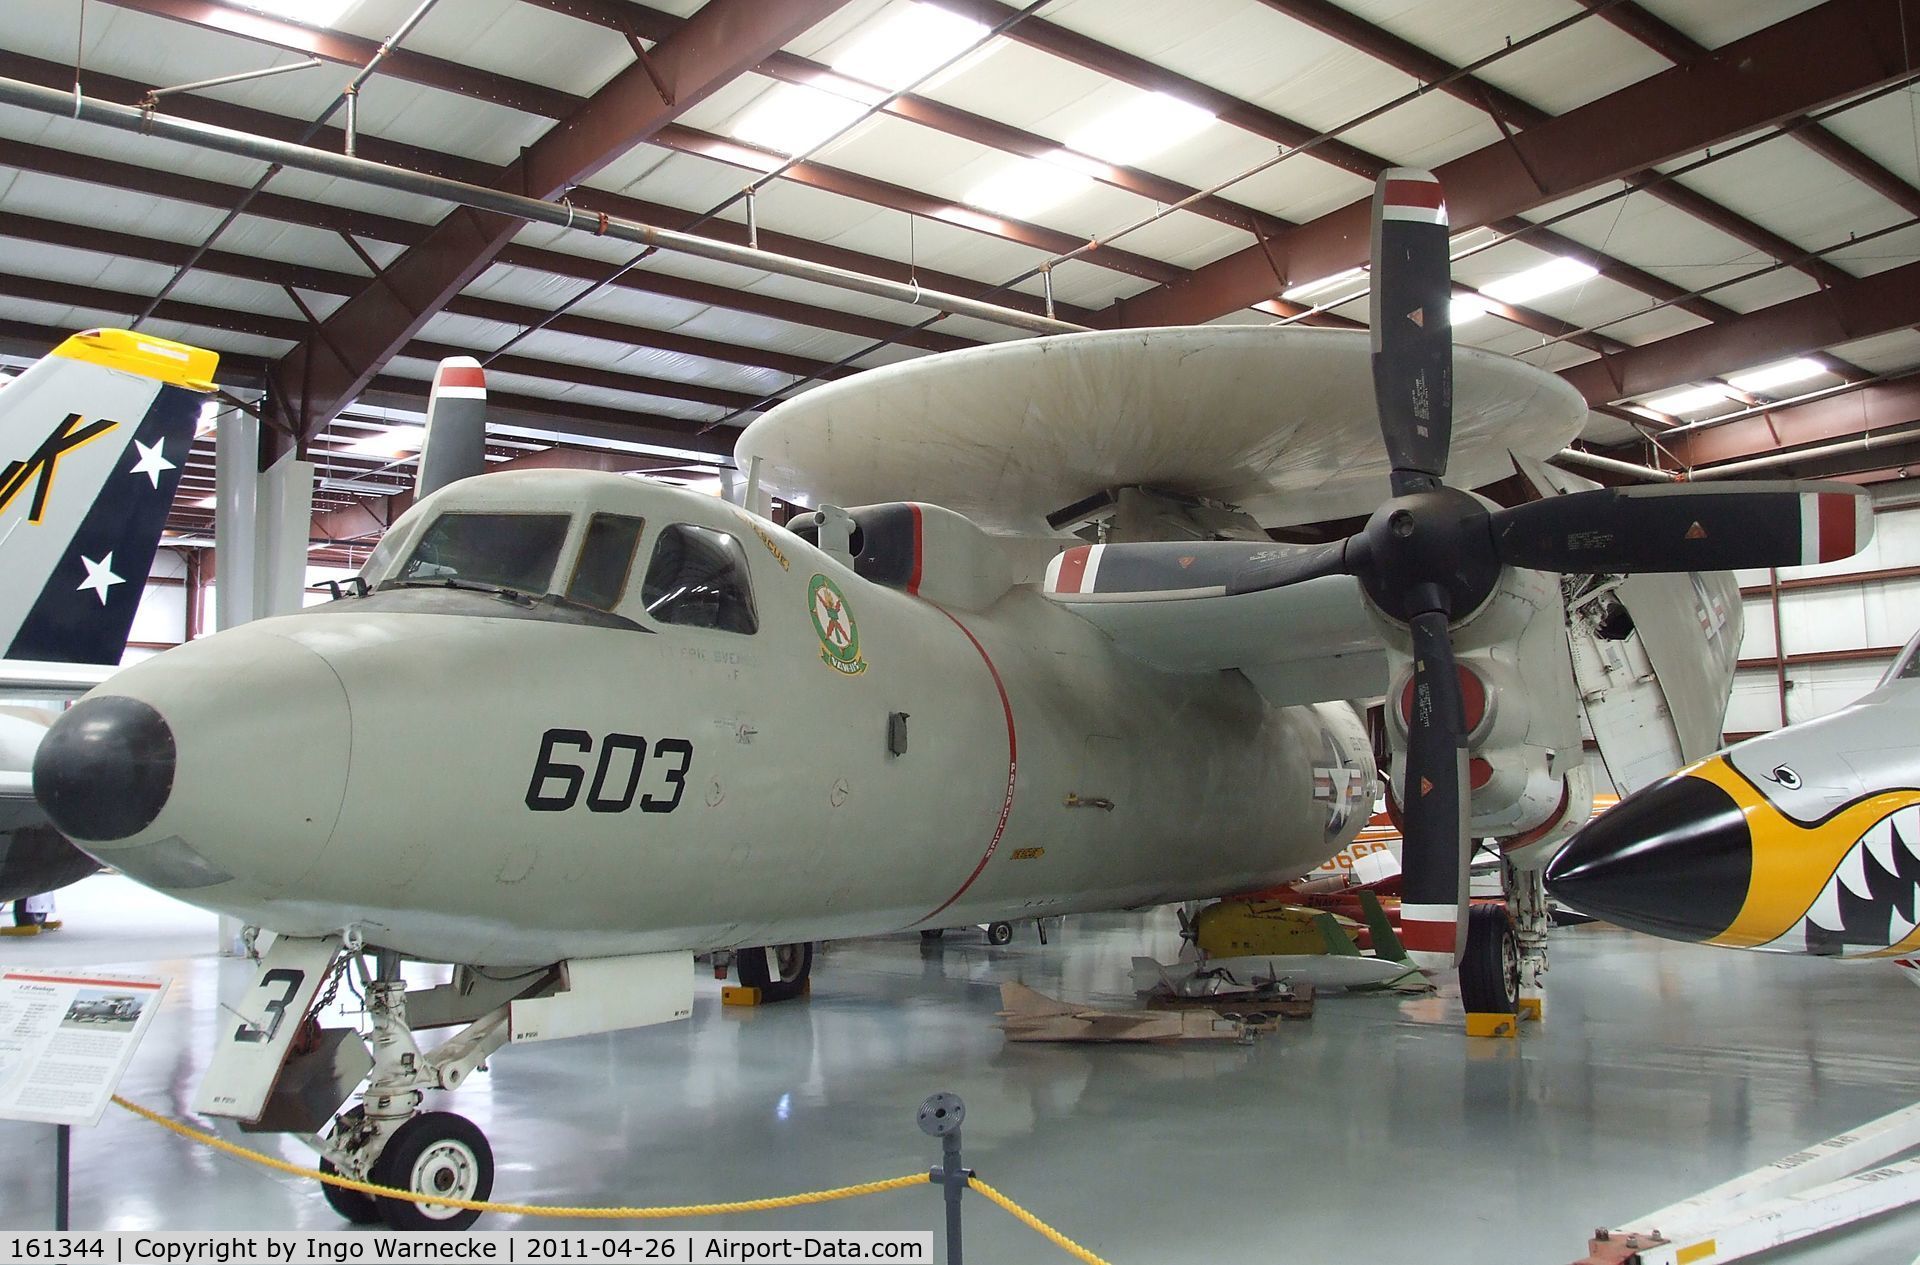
x: 66, y: 1038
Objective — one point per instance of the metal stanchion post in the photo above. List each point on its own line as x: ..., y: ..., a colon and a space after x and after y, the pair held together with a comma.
x: 940, y: 1117
x: 62, y: 1154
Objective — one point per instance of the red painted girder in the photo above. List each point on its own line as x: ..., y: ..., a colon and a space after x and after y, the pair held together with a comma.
x: 1671, y: 44
x: 725, y: 38
x: 1752, y: 83
x: 1875, y: 406
x: 1861, y: 307
x: 651, y: 24
x: 1410, y: 58
x: 356, y: 51
x: 291, y: 210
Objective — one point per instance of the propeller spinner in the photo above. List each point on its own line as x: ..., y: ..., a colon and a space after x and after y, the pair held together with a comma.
x: 1433, y: 553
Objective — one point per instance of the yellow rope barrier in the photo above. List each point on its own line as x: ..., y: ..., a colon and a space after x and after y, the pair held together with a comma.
x: 1035, y: 1224
x: 1013, y: 1209
x: 527, y: 1210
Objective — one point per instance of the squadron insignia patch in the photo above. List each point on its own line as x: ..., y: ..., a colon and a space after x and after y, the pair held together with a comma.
x: 833, y: 624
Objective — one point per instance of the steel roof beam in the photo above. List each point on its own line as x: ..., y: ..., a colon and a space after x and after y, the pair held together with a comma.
x: 1752, y: 83
x: 1861, y: 308
x: 324, y: 372
x: 1868, y: 408
x: 289, y: 330
x: 1513, y: 112
x: 1677, y: 47
x: 325, y: 281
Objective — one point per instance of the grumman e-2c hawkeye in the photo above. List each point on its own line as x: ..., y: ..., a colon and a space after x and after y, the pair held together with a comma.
x: 569, y: 711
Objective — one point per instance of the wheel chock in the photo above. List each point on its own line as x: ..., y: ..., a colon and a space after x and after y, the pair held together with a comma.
x: 31, y: 929
x: 747, y: 995
x: 1484, y: 1024
x: 1530, y: 1010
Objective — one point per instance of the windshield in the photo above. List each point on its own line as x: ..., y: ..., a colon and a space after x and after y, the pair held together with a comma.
x: 510, y: 551
x: 1907, y: 666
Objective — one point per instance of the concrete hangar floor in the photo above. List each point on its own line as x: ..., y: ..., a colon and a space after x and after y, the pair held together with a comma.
x: 1373, y: 1129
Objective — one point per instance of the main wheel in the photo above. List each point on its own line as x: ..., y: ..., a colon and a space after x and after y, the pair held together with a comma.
x: 999, y: 933
x: 435, y: 1153
x: 779, y: 971
x: 1490, y: 971
x: 355, y: 1205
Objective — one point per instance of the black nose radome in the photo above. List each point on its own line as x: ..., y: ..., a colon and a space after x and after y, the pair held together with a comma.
x: 1674, y: 860
x: 105, y: 769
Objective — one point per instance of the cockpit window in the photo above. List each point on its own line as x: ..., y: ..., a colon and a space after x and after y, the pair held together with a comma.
x: 606, y: 557
x: 1907, y: 667
x: 512, y: 551
x: 698, y: 577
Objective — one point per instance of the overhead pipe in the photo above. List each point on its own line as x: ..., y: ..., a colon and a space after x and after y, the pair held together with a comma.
x: 1846, y: 447
x: 559, y: 214
x: 1593, y: 461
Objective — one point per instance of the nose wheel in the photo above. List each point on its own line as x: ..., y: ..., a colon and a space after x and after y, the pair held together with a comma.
x: 434, y: 1153
x: 780, y: 971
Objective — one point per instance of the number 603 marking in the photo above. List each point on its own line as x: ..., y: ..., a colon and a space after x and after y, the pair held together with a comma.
x: 616, y: 775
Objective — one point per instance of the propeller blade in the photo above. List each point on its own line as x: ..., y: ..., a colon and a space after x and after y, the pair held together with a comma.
x: 1280, y: 570
x: 1686, y: 527
x: 1433, y: 804
x: 455, y: 446
x: 1411, y: 315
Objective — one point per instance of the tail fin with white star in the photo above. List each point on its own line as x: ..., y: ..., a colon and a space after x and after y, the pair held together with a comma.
x: 93, y: 438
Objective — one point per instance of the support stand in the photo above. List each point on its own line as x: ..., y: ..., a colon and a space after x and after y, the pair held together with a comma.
x: 1839, y: 1182
x: 940, y: 1117
x: 62, y: 1162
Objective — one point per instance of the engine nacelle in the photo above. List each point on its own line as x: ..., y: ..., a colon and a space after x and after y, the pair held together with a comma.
x: 929, y: 552
x: 1526, y: 766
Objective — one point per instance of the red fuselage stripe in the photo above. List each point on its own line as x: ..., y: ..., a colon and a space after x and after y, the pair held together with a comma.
x: 1013, y: 770
x: 919, y: 530
x: 72, y: 979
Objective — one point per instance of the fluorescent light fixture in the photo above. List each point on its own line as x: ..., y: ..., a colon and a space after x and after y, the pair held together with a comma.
x: 1143, y: 127
x: 308, y: 12
x: 399, y: 441
x: 361, y: 487
x: 1027, y: 187
x: 791, y: 119
x: 1768, y: 377
x: 1554, y: 275
x: 1465, y: 309
x: 207, y: 503
x: 1320, y: 288
x: 907, y: 44
x: 1689, y: 400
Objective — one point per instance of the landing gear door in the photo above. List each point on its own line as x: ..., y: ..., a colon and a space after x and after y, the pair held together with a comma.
x: 256, y: 1033
x: 1654, y: 658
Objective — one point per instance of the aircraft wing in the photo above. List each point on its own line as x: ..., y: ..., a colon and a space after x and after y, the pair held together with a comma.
x: 1168, y: 605
x: 50, y: 682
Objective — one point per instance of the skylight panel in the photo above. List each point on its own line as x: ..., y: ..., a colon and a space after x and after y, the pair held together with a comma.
x: 1465, y: 309
x: 399, y: 441
x: 307, y: 12
x: 791, y: 119
x: 1027, y: 187
x: 1689, y: 400
x: 1782, y: 374
x: 1146, y: 125
x: 907, y: 44
x: 1534, y: 283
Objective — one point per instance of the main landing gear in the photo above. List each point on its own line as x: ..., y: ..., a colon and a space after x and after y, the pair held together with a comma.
x: 1505, y: 964
x: 281, y: 1071
x: 780, y: 972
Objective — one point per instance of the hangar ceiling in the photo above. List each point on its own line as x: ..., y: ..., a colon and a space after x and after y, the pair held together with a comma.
x: 1704, y: 213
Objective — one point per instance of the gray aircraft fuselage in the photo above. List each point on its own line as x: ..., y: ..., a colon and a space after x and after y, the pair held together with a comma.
x: 462, y: 776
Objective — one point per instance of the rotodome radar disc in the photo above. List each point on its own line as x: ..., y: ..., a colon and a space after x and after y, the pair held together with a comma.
x: 1278, y: 420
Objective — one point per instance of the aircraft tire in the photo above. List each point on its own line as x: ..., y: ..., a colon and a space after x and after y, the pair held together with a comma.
x: 999, y: 933
x: 779, y: 971
x: 354, y: 1205
x: 435, y: 1153
x: 1490, y: 970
